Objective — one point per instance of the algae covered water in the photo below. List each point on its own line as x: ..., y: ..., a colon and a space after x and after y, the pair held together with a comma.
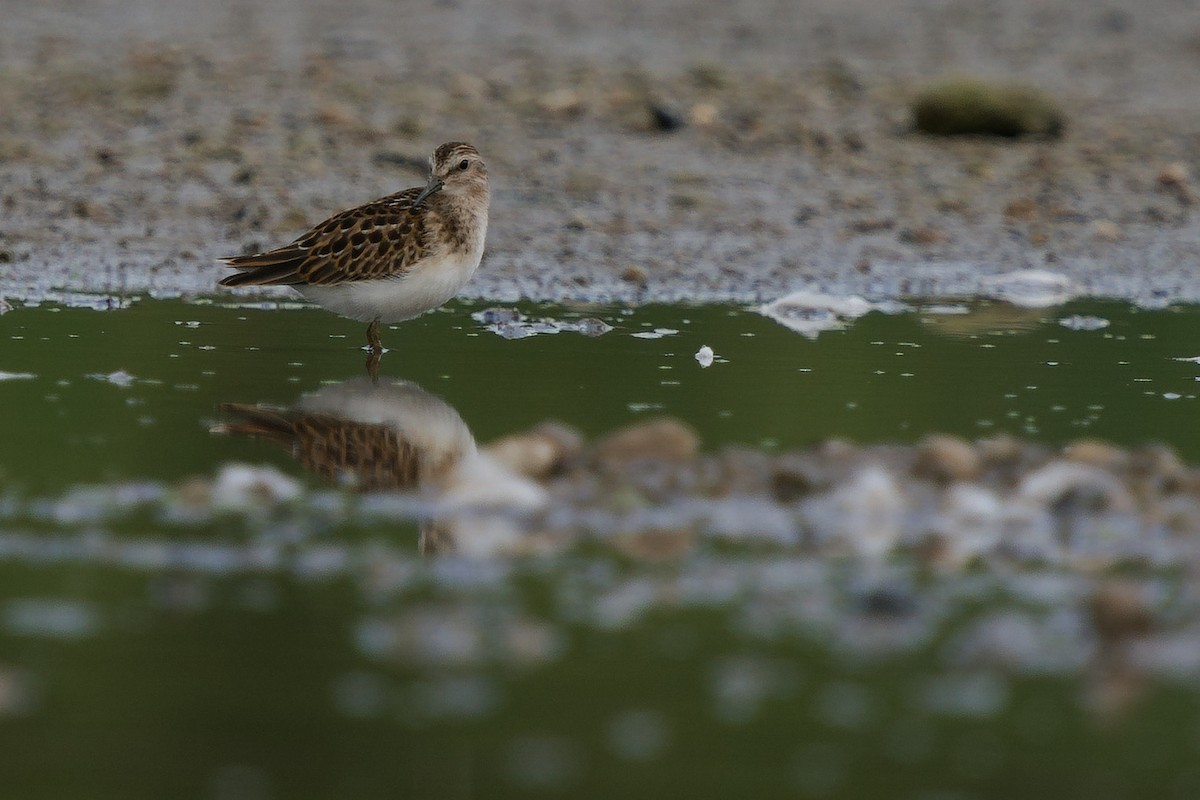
x: 302, y: 645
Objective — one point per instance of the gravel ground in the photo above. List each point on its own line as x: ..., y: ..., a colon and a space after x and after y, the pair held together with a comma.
x: 141, y: 139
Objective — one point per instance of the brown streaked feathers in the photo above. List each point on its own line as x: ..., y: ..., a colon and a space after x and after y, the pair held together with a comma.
x: 388, y: 237
x: 375, y: 456
x: 381, y: 239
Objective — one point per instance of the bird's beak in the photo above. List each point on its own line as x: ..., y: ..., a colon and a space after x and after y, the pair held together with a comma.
x: 435, y: 185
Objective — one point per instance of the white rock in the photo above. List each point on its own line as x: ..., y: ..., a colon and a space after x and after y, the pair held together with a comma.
x: 482, y: 482
x: 970, y: 522
x: 1050, y: 483
x: 119, y: 378
x: 864, y: 513
x: 1079, y: 322
x: 1030, y: 288
x: 240, y: 487
x: 810, y: 313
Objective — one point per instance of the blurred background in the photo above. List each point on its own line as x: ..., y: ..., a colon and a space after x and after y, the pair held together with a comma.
x: 739, y: 148
x: 699, y: 608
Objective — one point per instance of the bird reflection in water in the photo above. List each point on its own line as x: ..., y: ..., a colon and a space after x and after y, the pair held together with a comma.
x: 395, y: 436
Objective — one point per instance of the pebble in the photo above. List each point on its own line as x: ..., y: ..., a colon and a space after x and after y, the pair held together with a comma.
x: 1176, y: 179
x: 1118, y: 611
x: 337, y: 114
x: 1106, y: 230
x: 479, y: 482
x: 704, y: 114
x: 970, y: 523
x: 1074, y: 485
x: 1095, y: 452
x: 666, y: 440
x: 562, y: 101
x: 665, y: 117
x: 241, y: 487
x: 538, y: 453
x: 809, y: 312
x: 796, y: 477
x: 635, y: 275
x: 657, y: 545
x: 1079, y: 322
x: 923, y: 236
x: 865, y: 512
x: 1022, y: 208
x: 946, y: 459
x: 1030, y: 288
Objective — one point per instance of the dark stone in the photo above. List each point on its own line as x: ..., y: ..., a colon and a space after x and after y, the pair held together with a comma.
x: 665, y: 118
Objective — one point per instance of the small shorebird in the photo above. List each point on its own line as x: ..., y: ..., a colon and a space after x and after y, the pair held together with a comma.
x: 393, y: 435
x: 385, y: 436
x: 393, y: 258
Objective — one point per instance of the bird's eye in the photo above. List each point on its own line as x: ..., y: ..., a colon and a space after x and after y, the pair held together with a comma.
x: 464, y: 164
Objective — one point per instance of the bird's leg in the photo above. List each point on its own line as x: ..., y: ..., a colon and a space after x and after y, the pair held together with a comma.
x: 375, y: 350
x: 373, y: 340
x: 373, y: 358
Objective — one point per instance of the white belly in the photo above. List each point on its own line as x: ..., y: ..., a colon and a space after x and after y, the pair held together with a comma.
x: 429, y: 285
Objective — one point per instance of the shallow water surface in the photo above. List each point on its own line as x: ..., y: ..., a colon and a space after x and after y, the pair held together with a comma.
x: 132, y: 393
x: 279, y: 649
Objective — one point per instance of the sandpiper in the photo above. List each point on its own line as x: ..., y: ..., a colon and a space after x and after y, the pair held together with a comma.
x: 393, y: 258
x: 372, y: 436
x: 393, y: 435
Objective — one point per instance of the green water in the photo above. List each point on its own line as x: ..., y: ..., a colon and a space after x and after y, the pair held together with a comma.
x: 886, y: 378
x: 293, y: 658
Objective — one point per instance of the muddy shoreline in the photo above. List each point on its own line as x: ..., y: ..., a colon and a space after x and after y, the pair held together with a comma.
x: 676, y: 153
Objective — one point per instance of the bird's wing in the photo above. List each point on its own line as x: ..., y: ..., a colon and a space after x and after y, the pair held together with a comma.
x: 376, y: 456
x: 381, y: 239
